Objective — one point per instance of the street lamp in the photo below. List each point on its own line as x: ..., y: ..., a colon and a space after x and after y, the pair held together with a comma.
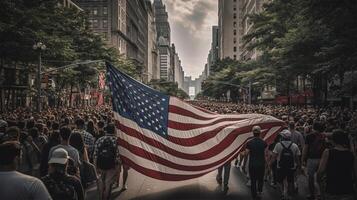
x: 39, y: 46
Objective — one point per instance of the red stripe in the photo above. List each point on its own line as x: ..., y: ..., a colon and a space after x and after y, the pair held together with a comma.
x: 187, y: 126
x: 184, y: 112
x: 155, y: 158
x: 158, y: 175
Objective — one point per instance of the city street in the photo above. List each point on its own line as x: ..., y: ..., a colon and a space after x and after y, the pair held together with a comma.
x: 205, y: 188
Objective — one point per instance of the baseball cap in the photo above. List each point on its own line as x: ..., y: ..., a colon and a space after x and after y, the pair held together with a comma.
x: 59, y: 156
x: 3, y: 123
x: 256, y: 129
x: 286, y: 134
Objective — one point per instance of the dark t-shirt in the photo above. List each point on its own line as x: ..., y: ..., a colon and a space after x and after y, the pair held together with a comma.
x: 256, y: 147
x: 317, y: 145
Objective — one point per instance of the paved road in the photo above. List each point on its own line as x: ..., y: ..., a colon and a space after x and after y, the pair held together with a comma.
x: 205, y: 188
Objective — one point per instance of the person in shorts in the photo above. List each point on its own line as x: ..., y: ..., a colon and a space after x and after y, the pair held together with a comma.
x: 287, y: 155
x: 315, y: 145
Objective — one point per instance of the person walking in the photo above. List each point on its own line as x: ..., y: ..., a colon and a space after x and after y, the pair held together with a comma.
x: 59, y: 184
x: 15, y: 185
x: 338, y: 164
x: 314, y: 147
x: 107, y: 161
x: 225, y: 171
x: 287, y: 155
x: 256, y: 150
x: 298, y: 139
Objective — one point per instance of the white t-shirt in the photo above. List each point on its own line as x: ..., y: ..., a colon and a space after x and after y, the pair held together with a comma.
x: 17, y: 186
x: 279, y: 148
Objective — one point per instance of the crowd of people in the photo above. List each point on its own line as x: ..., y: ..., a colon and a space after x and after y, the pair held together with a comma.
x: 319, y: 143
x: 60, y: 153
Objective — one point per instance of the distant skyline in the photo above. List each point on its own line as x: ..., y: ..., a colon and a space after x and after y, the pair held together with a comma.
x: 191, y: 24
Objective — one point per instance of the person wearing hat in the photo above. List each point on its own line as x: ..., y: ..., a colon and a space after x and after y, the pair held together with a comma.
x: 59, y: 183
x: 287, y: 155
x: 256, y: 150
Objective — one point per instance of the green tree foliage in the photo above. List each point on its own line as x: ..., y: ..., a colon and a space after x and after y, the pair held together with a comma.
x: 168, y: 87
x: 65, y: 32
x: 314, y: 39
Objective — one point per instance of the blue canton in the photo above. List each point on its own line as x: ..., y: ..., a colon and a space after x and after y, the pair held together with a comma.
x: 138, y: 102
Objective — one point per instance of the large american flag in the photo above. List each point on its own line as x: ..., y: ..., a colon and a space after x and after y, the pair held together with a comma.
x: 166, y: 138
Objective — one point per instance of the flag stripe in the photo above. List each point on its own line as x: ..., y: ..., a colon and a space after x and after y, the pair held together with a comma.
x: 189, y: 126
x: 182, y: 111
x: 157, y: 174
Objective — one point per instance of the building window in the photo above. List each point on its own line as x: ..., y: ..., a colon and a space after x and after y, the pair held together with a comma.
x: 234, y: 40
x: 234, y: 24
x: 105, y: 10
x: 234, y: 15
x: 235, y: 49
x: 234, y: 0
x: 105, y: 23
x: 95, y: 11
x: 235, y: 57
x: 234, y: 32
x: 95, y: 23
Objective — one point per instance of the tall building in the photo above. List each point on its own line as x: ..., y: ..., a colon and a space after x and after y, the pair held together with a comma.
x: 246, y: 8
x: 214, y: 45
x: 153, y: 71
x: 162, y: 21
x: 164, y: 58
x: 137, y: 34
x: 164, y: 40
x: 228, y: 22
x: 176, y: 68
x: 108, y: 18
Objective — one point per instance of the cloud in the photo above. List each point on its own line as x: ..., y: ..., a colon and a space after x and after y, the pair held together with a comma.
x: 191, y: 24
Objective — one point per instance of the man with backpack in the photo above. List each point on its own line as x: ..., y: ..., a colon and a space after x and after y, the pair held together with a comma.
x: 314, y: 147
x: 59, y: 184
x: 107, y: 161
x: 287, y: 155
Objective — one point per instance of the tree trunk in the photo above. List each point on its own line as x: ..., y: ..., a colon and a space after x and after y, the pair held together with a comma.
x: 304, y: 88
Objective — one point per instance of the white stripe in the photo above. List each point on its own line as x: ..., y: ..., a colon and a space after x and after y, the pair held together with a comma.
x: 184, y: 119
x: 179, y: 103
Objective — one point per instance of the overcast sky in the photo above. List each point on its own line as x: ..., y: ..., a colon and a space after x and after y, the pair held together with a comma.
x: 191, y: 24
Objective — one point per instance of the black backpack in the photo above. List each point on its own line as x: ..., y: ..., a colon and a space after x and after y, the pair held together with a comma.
x: 60, y: 189
x: 106, y: 154
x: 286, y: 157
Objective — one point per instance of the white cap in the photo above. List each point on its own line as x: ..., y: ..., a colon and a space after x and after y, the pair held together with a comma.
x: 3, y: 123
x: 256, y: 129
x: 59, y: 156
